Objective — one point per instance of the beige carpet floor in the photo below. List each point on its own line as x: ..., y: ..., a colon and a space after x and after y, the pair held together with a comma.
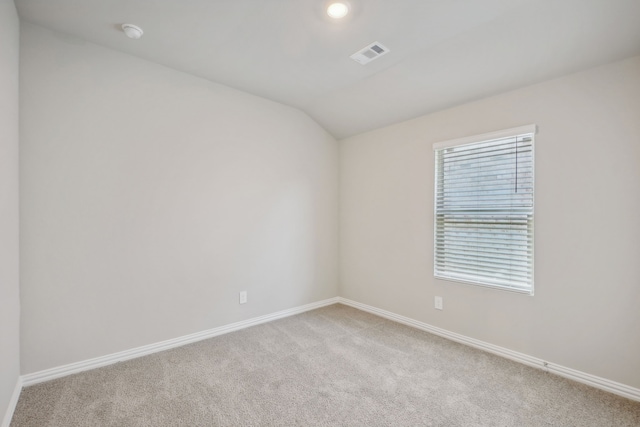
x: 335, y: 366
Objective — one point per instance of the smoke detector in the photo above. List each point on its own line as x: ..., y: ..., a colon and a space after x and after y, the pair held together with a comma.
x: 132, y: 31
x: 374, y: 51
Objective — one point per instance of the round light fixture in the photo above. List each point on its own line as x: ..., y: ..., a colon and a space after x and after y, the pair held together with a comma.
x: 132, y: 31
x: 338, y: 10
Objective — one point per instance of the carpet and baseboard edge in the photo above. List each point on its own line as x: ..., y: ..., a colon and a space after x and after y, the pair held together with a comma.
x: 12, y: 403
x: 572, y: 374
x: 85, y: 365
x: 72, y: 368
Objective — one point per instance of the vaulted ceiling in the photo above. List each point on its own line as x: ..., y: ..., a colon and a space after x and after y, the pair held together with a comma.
x: 442, y: 52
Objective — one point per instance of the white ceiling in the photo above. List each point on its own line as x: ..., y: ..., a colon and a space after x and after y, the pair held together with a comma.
x: 443, y: 52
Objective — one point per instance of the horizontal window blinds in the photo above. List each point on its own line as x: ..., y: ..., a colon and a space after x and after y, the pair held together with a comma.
x: 484, y: 212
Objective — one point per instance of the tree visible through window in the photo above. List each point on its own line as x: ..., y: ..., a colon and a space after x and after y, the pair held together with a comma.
x: 484, y: 209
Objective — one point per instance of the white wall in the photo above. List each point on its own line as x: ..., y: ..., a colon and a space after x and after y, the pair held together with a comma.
x: 586, y: 310
x: 150, y: 198
x: 9, y: 269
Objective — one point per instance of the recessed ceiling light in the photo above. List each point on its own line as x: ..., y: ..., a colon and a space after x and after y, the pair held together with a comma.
x: 132, y: 31
x: 338, y: 10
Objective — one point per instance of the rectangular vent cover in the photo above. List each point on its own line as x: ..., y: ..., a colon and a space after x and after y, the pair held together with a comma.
x: 373, y: 51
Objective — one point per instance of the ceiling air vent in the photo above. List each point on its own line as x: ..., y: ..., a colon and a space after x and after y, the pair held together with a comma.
x: 373, y: 51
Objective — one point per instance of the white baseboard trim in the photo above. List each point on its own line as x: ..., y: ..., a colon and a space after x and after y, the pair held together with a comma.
x: 73, y: 368
x: 8, y: 415
x: 572, y: 374
x: 85, y: 365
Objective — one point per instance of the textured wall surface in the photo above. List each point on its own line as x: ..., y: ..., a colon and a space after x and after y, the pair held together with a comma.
x: 150, y: 198
x: 9, y: 246
x: 584, y: 314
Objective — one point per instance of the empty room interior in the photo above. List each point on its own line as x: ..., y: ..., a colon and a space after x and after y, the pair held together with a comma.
x: 320, y: 213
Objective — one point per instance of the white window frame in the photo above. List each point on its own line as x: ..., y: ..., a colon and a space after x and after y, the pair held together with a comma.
x: 506, y: 133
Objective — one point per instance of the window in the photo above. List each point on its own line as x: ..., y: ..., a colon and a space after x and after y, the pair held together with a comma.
x: 484, y: 209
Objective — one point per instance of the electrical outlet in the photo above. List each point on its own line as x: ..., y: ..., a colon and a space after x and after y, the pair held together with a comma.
x: 438, y: 303
x: 243, y: 297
